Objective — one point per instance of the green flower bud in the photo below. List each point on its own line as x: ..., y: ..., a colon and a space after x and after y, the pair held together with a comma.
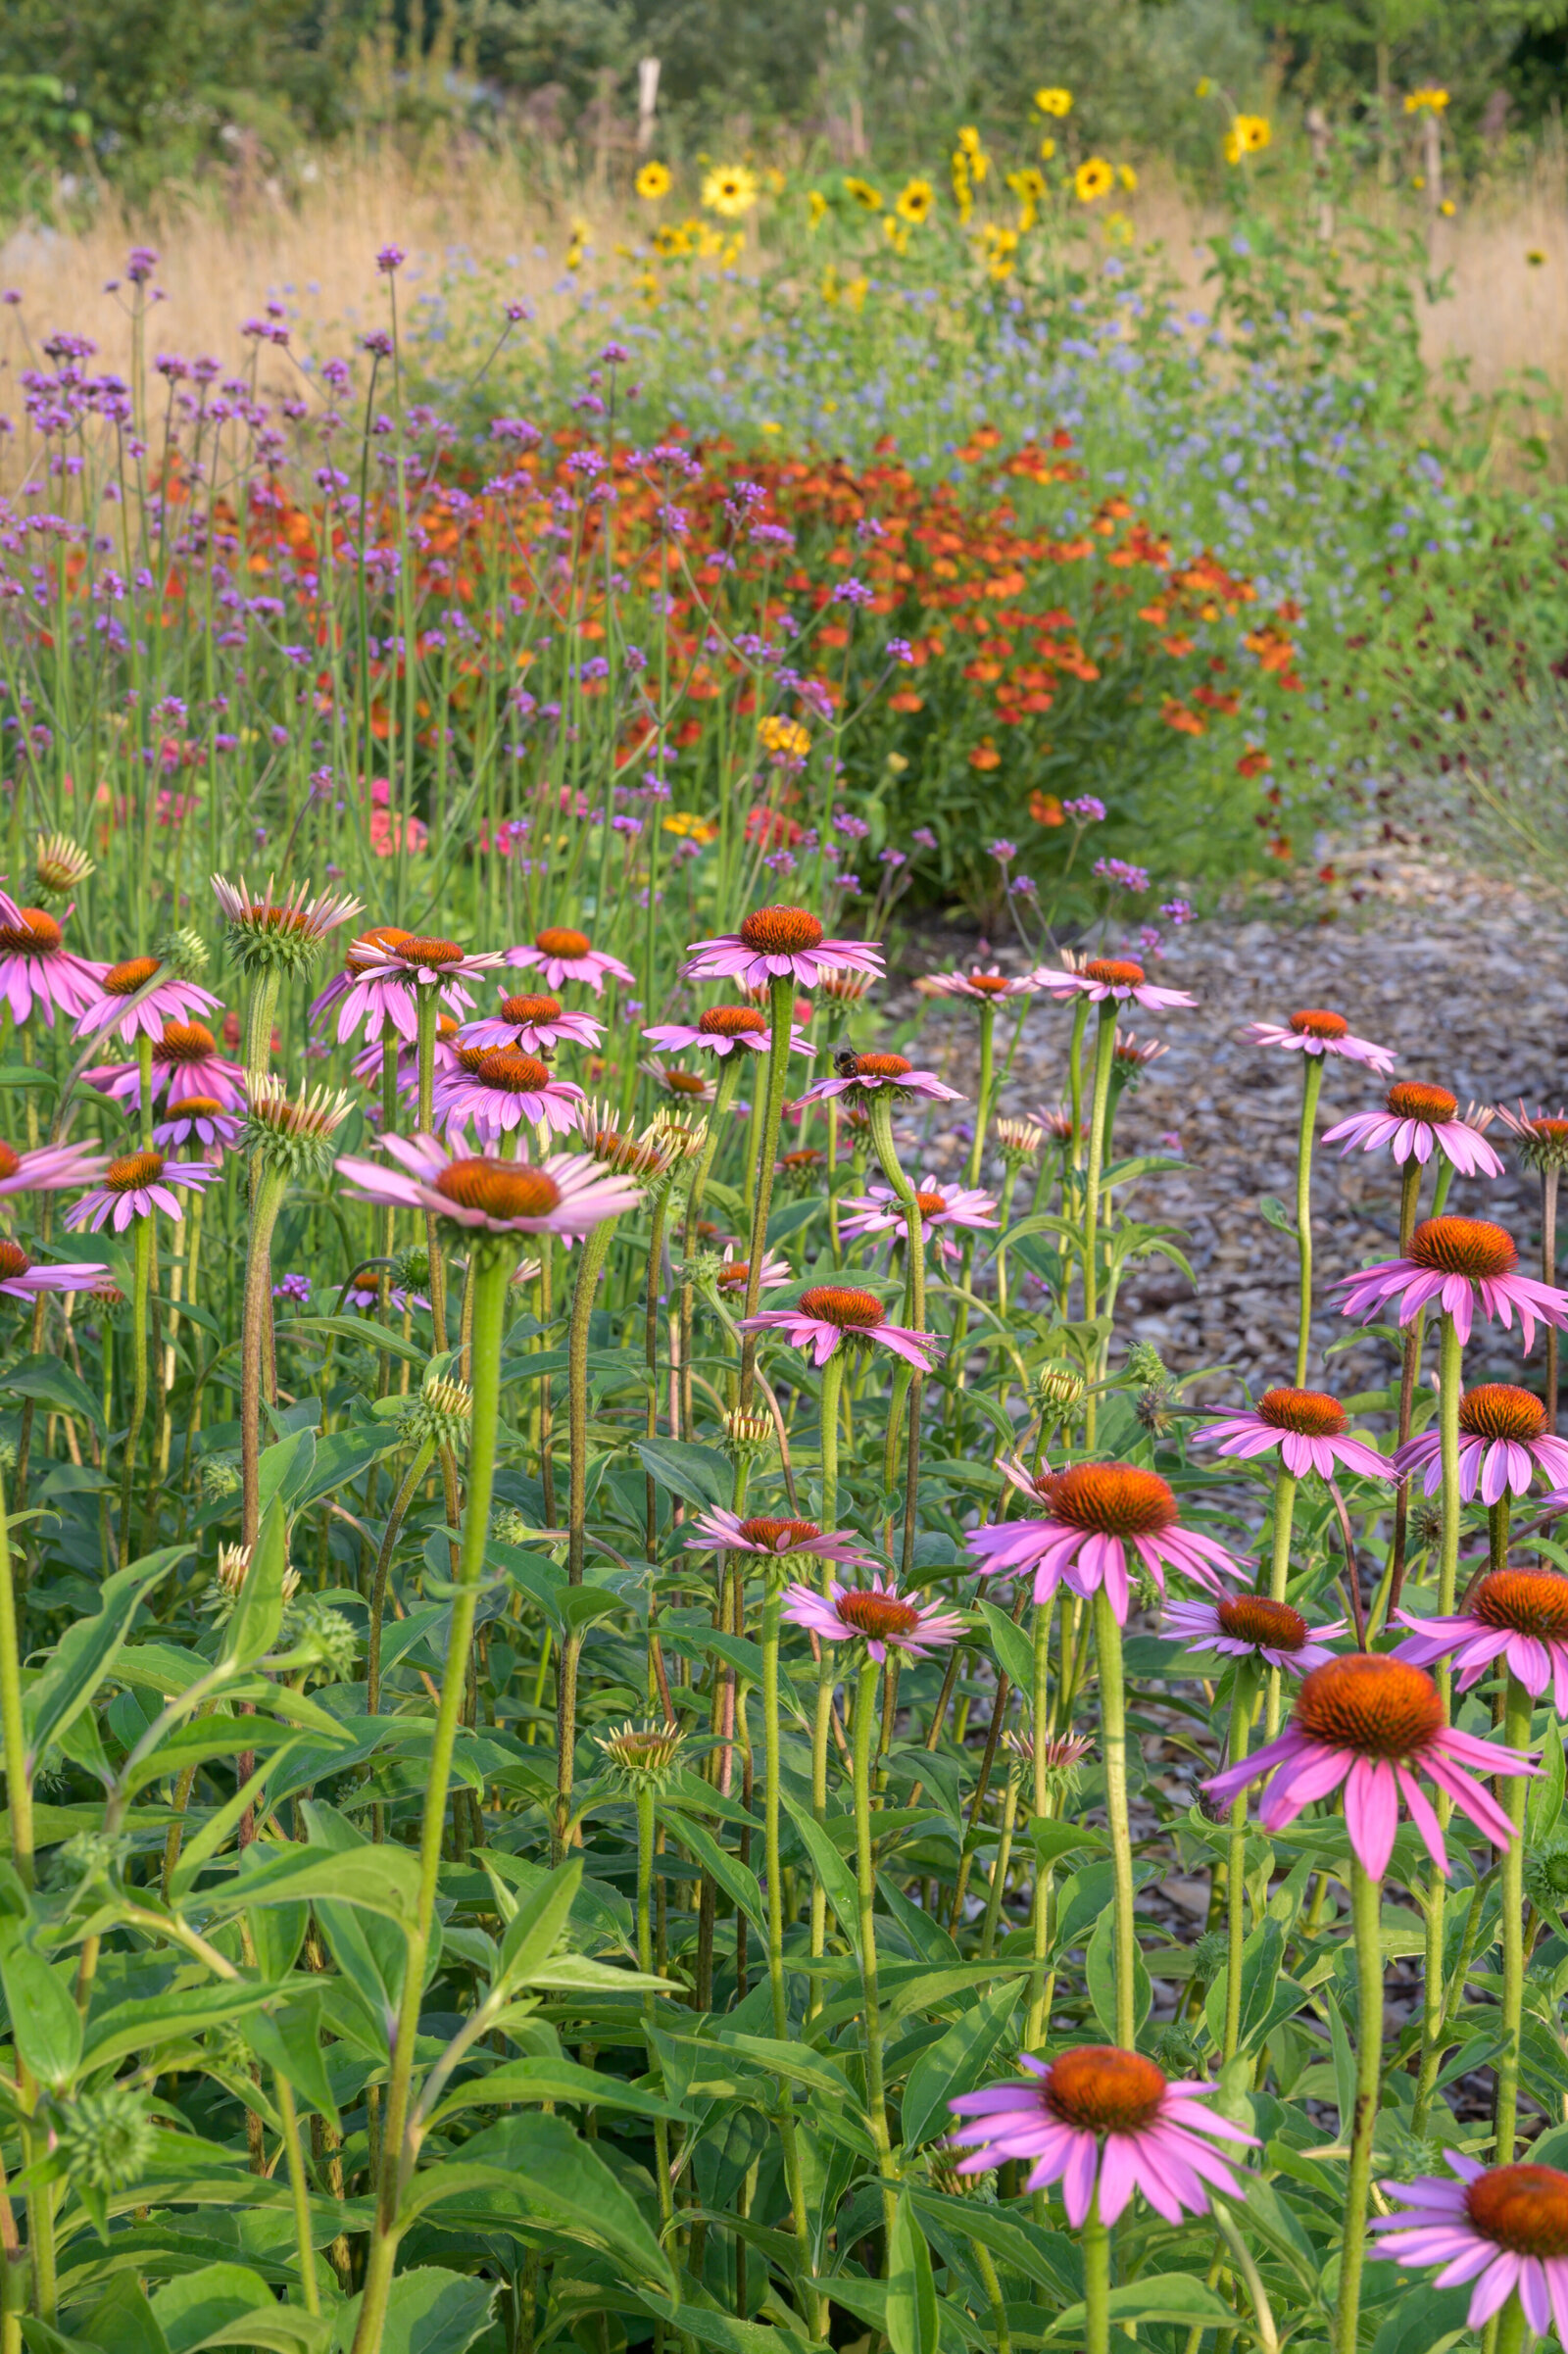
x: 106, y: 2139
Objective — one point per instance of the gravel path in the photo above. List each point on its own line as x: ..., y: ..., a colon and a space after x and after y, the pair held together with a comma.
x: 1464, y: 976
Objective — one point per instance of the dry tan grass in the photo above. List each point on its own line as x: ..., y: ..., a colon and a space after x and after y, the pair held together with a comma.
x: 228, y: 245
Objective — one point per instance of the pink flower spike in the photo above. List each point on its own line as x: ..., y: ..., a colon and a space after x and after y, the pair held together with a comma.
x: 829, y: 1314
x: 1315, y: 1030
x: 1419, y: 1121
x: 1505, y: 2227
x: 1370, y: 1723
x: 24, y: 1278
x: 1305, y: 1428
x: 135, y: 1186
x: 568, y: 1194
x: 1503, y: 1442
x: 1102, y: 1521
x: 877, y: 1615
x: 1519, y: 1616
x: 1249, y: 1626
x: 36, y: 968
x: 774, y: 944
x: 562, y: 955
x: 49, y: 1168
x: 777, y: 1539
x: 112, y: 1008
x: 1099, y: 2117
x: 1457, y: 1263
x: 1101, y: 977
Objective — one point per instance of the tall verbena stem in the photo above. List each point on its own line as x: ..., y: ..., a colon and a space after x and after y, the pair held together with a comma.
x: 1366, y: 1911
x: 1311, y: 1088
x: 492, y: 1260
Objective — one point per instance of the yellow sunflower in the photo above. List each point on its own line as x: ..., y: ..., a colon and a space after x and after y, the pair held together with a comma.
x: 653, y: 181
x: 729, y: 191
x: 815, y: 208
x: 1427, y: 101
x: 1092, y: 179
x: 1249, y: 135
x: 916, y: 201
x: 863, y: 194
x: 1053, y: 102
x: 1128, y: 178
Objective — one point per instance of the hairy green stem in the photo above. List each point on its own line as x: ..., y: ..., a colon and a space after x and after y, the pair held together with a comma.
x: 1236, y: 1859
x: 1516, y: 1735
x: 1104, y: 1060
x: 270, y: 1186
x: 1312, y: 1089
x: 1279, y: 1578
x: 866, y: 1873
x: 1096, y: 2242
x: 1366, y: 1909
x: 1113, y: 1756
x: 780, y: 1020
x: 144, y: 1238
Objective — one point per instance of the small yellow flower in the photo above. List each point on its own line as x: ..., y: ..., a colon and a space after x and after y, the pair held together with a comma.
x: 581, y: 231
x: 1418, y: 179
x: 1535, y: 255
x: 671, y: 240
x: 1048, y: 147
x: 974, y: 155
x: 962, y: 187
x: 773, y: 181
x: 1447, y: 208
x: 863, y: 194
x: 1128, y: 178
x: 785, y: 739
x: 1425, y: 101
x: 1000, y: 245
x: 1053, y: 102
x: 653, y: 181
x: 1092, y: 179
x: 815, y: 208
x: 730, y: 191
x: 1118, y: 228
x: 1204, y: 88
x: 1249, y: 135
x: 1029, y: 187
x: 915, y: 203
x: 770, y: 425
x: 969, y: 139
x: 897, y: 232
x: 690, y: 826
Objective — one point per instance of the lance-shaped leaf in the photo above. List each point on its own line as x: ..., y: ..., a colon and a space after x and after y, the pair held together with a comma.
x: 85, y: 1652
x: 257, y: 1613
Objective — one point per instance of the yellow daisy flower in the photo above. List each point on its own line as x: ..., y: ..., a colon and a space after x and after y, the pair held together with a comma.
x: 915, y: 203
x: 863, y: 194
x: 1092, y: 179
x: 1053, y: 102
x: 653, y: 181
x: 729, y: 191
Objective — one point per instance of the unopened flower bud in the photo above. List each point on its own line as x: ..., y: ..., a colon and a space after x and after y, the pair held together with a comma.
x: 746, y: 1435
x: 183, y: 952
x: 314, y: 1634
x: 639, y: 1754
x: 60, y: 866
x: 106, y: 2139
x: 1060, y: 1390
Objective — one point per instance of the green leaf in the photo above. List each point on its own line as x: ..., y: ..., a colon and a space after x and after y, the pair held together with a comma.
x: 287, y: 2041
x: 912, y: 2322
x: 1100, y: 1973
x: 955, y: 2063
x: 737, y: 1880
x: 379, y: 1879
x: 351, y: 1328
x: 831, y: 1869
x: 258, y: 1613
x: 339, y: 1457
x: 286, y: 1468
x: 189, y: 2308
x: 123, y: 2320
x: 545, y: 2168
x: 537, y: 1925
x: 1050, y: 1838
x: 1162, y: 2297
x: 1425, y: 2320
x: 50, y: 1380
x: 1261, y: 1956
x: 1545, y: 1804
x: 1274, y: 1213
x: 698, y: 1474
x: 85, y: 1652
x: 275, y: 2329
x: 27, y: 1074
x: 429, y: 2312
x: 525, y: 2080
x: 1013, y: 1649
x: 146, y: 2022
x: 44, y: 2018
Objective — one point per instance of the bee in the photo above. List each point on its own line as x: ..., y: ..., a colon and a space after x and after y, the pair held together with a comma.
x: 847, y: 1064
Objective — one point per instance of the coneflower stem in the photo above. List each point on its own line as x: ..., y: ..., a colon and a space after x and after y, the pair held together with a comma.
x: 865, y: 1872
x: 1241, y: 1725
x: 1366, y: 1913
x: 1040, y: 1923
x: 427, y: 1003
x: 490, y: 1269
x: 1512, y: 2337
x: 646, y: 1795
x: 1451, y: 1353
x: 145, y: 1101
x: 982, y: 1109
x: 1409, y: 1191
x: 1280, y: 1576
x: 270, y: 1186
x: 1075, y: 1084
x: 1312, y: 1089
x: 821, y: 1723
x: 1095, y: 2238
x: 1104, y: 1059
x: 142, y: 1287
x: 772, y: 1606
x: 780, y: 1019
x: 18, y: 1782
x: 1517, y: 1716
x: 1113, y: 1756
x: 592, y: 1251
x: 1548, y: 1274
x: 729, y: 1075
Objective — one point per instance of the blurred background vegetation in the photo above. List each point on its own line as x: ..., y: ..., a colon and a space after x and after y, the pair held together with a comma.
x: 135, y: 95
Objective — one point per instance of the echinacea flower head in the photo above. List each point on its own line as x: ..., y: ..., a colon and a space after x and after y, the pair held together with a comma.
x: 202, y: 1121
x: 562, y: 954
x: 645, y: 1157
x: 641, y: 1755
x: 775, y: 944
x: 863, y: 1076
x: 383, y: 972
x: 534, y: 1024
x: 686, y: 1087
x: 1372, y: 1723
x: 985, y: 984
x: 722, y: 1030
x: 48, y: 1169
x: 1419, y: 1121
x: 1541, y: 1137
x: 60, y: 866
x: 122, y: 1006
x: 25, y: 1277
x: 1315, y: 1030
x: 732, y: 1275
x: 186, y: 1061
x: 1505, y: 2227
x: 1099, y: 2117
x: 440, y: 1413
x: 1457, y: 1263
x: 880, y: 1214
x: 788, y: 1545
x: 1519, y: 1616
x: 36, y: 968
x: 1307, y: 1430
x: 502, y: 1089
x: 1100, y: 977
x: 1503, y: 1442
x: 134, y: 1185
x: 832, y: 1316
x: 1253, y: 1626
x: 267, y: 934
x: 877, y: 1615
x: 566, y: 1194
x: 293, y: 1134
x: 1018, y: 1140
x: 1101, y: 1521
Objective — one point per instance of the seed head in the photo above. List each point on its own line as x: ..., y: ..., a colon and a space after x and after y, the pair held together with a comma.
x: 509, y: 1525
x: 314, y: 1635
x: 1210, y: 1956
x: 1059, y: 1391
x: 411, y: 1268
x: 221, y: 1476
x: 59, y: 865
x: 646, y: 1157
x: 1018, y: 1140
x: 440, y: 1414
x: 106, y: 2139
x: 283, y: 935
x: 1546, y: 1873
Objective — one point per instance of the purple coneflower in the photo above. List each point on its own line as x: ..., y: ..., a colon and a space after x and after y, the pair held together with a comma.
x: 1306, y: 1426
x: 568, y: 1194
x: 202, y: 1118
x: 687, y: 1087
x: 1372, y: 1723
x: 827, y: 1314
x: 279, y: 935
x: 566, y: 956
x: 186, y: 1061
x: 776, y: 943
x: 48, y: 1169
x: 776, y: 1540
x: 363, y: 1297
x: 1117, y: 977
x: 1457, y: 1261
x: 133, y: 1186
x: 1154, y: 2133
x: 1418, y: 1120
x: 1251, y: 1626
x: 732, y: 1274
x: 22, y: 1278
x: 872, y: 1073
x: 880, y: 1212
x: 1315, y: 1030
x: 985, y: 984
x: 720, y: 1030
x: 1504, y: 1441
x: 877, y: 1615
x: 173, y: 1000
x: 36, y: 968
x: 1517, y: 1615
x: 501, y: 1089
x: 1095, y: 1514
x: 390, y: 969
x: 1503, y: 2226
x: 531, y: 1024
